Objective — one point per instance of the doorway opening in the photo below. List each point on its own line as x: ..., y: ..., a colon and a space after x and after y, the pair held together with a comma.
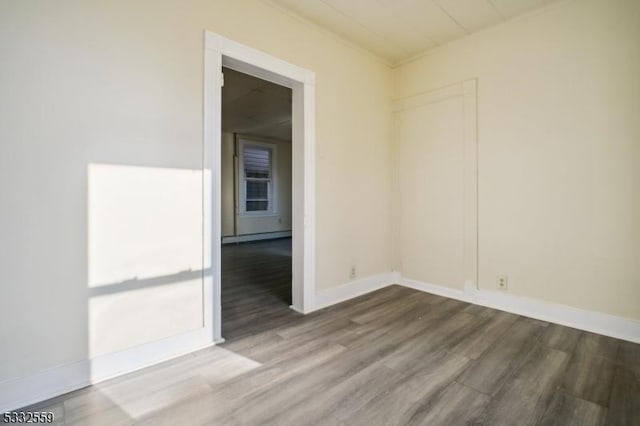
x: 256, y: 204
x: 220, y: 53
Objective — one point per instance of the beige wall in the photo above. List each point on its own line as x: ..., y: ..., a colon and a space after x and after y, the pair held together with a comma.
x: 119, y: 83
x: 559, y: 150
x: 281, y: 221
x: 430, y: 196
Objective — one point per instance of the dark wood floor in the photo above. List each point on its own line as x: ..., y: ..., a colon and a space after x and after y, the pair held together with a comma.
x: 393, y: 357
x: 256, y: 287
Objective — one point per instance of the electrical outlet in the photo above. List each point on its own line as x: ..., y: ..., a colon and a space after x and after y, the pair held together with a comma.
x: 353, y: 273
x: 502, y: 281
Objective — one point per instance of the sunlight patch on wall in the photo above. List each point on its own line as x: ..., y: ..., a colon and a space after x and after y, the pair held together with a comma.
x: 145, y: 254
x: 143, y: 222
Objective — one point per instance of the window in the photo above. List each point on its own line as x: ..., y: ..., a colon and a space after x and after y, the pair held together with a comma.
x: 257, y: 180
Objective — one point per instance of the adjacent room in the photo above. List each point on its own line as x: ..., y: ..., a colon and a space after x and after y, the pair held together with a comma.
x: 333, y: 212
x: 256, y: 204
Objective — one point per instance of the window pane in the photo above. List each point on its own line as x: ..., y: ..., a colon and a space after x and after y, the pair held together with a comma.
x: 257, y: 206
x: 257, y: 162
x: 257, y: 190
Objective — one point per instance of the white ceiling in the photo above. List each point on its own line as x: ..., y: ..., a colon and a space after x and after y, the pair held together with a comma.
x: 252, y: 106
x: 397, y: 30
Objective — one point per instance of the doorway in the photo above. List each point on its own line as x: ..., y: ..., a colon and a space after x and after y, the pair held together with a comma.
x: 256, y: 204
x: 221, y: 52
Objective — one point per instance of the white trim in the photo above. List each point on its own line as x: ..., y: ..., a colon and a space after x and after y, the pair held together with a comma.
x: 353, y: 289
x: 470, y: 137
x: 256, y: 237
x: 299, y: 311
x: 20, y: 392
x: 257, y: 63
x: 467, y: 90
x: 440, y: 290
x: 432, y: 96
x: 595, y: 322
x: 211, y: 210
x: 221, y: 51
x: 306, y: 131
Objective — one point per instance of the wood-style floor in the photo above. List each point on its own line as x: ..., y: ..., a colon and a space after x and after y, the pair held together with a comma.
x: 393, y: 357
x: 256, y: 287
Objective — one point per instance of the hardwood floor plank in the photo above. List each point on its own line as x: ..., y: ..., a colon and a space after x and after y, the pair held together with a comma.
x: 624, y: 402
x: 403, y: 398
x: 437, y: 368
x: 275, y: 373
x: 599, y: 345
x: 567, y: 410
x: 195, y: 411
x: 590, y: 372
x: 486, y: 335
x: 447, y: 334
x: 526, y: 394
x: 337, y: 402
x: 629, y: 357
x: 489, y: 371
x: 561, y: 338
x: 456, y: 405
x: 264, y: 405
x: 391, y: 310
x: 170, y: 396
x: 95, y: 409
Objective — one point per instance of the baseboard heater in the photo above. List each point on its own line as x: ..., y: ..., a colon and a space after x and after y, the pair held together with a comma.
x: 255, y: 237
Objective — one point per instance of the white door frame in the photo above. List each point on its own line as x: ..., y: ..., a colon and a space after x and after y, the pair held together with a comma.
x: 219, y: 52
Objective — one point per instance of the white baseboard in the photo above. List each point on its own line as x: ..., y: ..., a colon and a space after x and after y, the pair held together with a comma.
x: 298, y: 310
x: 256, y: 237
x: 24, y: 391
x: 439, y: 290
x: 596, y: 322
x: 352, y: 289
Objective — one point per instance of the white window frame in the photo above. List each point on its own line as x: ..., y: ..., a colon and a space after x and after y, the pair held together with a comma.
x: 243, y: 142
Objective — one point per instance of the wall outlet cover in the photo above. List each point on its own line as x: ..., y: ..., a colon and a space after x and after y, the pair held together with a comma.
x: 503, y: 282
